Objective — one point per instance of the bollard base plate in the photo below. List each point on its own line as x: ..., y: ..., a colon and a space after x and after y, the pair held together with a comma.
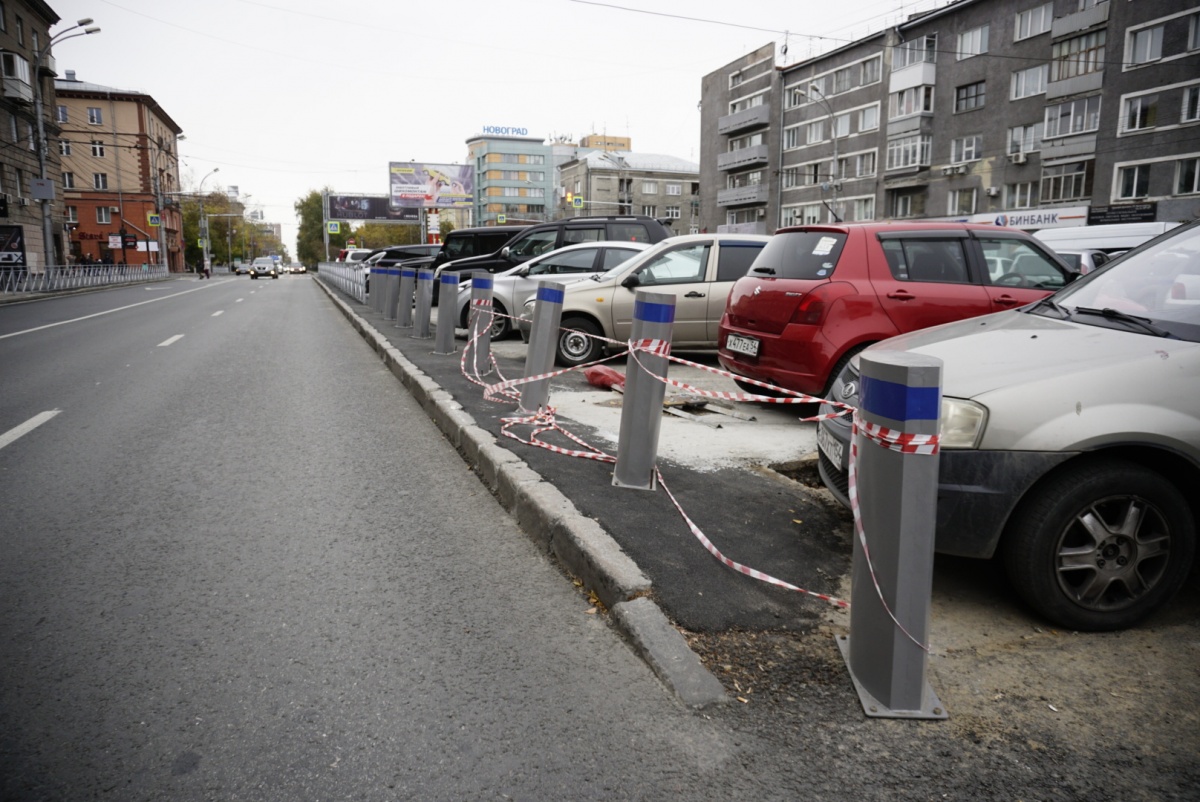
x: 931, y: 708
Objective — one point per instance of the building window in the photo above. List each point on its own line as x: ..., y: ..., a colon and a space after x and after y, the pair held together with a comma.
x: 749, y: 179
x: 868, y: 118
x: 1189, y: 177
x: 675, y: 190
x: 966, y: 149
x: 1067, y: 182
x: 99, y: 180
x: 1141, y: 112
x: 745, y: 103
x: 816, y: 132
x: 15, y: 67
x: 650, y: 211
x: 95, y: 116
x: 841, y: 125
x: 745, y: 142
x: 104, y: 215
x: 72, y: 214
x: 1146, y: 45
x: 1025, y: 138
x: 97, y: 148
x: 910, y: 101
x: 735, y: 80
x: 962, y: 201
x: 20, y: 31
x: 971, y: 96
x: 1073, y: 117
x: 973, y: 42
x: 864, y: 164
x: 1191, y: 104
x: 869, y: 71
x: 864, y: 209
x: 843, y: 80
x: 906, y: 204
x: 1022, y: 195
x: 3, y: 18
x: 1133, y: 182
x: 1084, y: 5
x: 649, y: 187
x: 1031, y: 81
x: 1194, y: 32
x: 672, y: 212
x: 29, y: 136
x: 1080, y: 55
x: 1033, y: 22
x: 60, y: 114
x: 915, y: 52
x: 64, y: 147
x: 909, y: 151
x: 791, y: 137
x: 68, y: 180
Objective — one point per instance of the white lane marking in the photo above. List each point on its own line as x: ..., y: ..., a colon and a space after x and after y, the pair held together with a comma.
x: 98, y: 314
x: 170, y: 340
x: 218, y: 313
x: 239, y: 300
x: 27, y: 427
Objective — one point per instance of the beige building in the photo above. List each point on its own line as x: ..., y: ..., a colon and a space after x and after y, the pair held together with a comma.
x: 120, y: 175
x: 606, y: 142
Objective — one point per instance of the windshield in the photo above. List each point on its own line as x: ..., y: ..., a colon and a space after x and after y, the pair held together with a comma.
x: 1158, y: 284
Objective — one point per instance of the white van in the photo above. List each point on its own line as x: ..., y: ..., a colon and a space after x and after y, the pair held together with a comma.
x: 1110, y: 238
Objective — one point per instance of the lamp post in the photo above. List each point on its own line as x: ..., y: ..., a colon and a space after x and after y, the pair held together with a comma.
x: 204, y: 219
x: 47, y: 224
x: 833, y: 183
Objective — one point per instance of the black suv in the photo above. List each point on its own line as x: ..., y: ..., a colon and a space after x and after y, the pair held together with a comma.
x: 463, y: 242
x: 545, y: 237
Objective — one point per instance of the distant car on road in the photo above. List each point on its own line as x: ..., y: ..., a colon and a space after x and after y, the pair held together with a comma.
x: 1070, y: 437
x: 298, y: 267
x: 262, y: 267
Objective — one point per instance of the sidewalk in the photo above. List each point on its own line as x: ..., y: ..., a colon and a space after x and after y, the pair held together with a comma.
x: 642, y: 558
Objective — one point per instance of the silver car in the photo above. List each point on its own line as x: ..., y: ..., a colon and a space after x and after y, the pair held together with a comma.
x: 1070, y: 437
x: 513, y: 287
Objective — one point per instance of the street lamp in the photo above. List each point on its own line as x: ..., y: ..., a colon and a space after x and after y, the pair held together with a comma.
x: 204, y: 218
x: 47, y: 225
x: 833, y: 183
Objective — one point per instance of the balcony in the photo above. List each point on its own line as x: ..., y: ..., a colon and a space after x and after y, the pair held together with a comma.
x: 746, y: 157
x: 18, y: 90
x: 48, y: 68
x: 1079, y: 21
x: 743, y: 196
x: 754, y: 117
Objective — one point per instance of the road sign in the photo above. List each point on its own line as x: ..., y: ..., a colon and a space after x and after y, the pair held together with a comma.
x: 333, y: 227
x: 153, y: 219
x: 577, y: 202
x: 500, y: 219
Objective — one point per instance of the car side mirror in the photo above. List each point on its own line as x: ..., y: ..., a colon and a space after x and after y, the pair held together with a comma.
x: 505, y: 252
x: 631, y: 281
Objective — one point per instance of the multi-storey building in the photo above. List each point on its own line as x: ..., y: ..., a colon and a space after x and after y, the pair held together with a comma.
x: 120, y: 175
x: 1031, y: 113
x: 514, y: 178
x: 26, y: 63
x: 619, y: 182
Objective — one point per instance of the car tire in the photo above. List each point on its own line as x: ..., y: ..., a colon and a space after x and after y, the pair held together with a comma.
x: 501, y: 326
x: 253, y: 277
x: 577, y: 343
x: 1079, y: 518
x: 838, y: 367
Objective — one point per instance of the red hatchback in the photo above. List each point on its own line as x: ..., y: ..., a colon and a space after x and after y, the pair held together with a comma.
x: 817, y: 295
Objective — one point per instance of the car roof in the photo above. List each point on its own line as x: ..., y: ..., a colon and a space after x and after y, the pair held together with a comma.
x: 877, y: 226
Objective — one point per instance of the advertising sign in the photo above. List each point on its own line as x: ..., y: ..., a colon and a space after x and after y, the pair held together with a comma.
x: 1047, y: 217
x: 432, y: 186
x: 1124, y: 213
x: 12, y: 247
x: 368, y: 207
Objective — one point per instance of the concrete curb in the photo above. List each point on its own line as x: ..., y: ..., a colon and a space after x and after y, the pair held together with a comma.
x: 553, y: 522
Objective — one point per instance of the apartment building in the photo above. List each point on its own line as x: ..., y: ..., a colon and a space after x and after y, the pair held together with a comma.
x: 120, y: 175
x: 514, y: 178
x: 1015, y: 112
x: 621, y: 182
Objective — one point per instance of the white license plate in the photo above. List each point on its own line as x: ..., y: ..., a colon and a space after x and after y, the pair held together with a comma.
x: 830, y: 446
x: 742, y: 345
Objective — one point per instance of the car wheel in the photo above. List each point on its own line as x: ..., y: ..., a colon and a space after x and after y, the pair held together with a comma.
x: 1100, y: 545
x: 252, y: 276
x: 838, y: 367
x: 577, y: 343
x: 501, y: 326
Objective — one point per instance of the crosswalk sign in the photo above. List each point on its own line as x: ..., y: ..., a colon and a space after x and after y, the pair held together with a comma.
x: 577, y: 202
x: 153, y: 219
x: 333, y: 227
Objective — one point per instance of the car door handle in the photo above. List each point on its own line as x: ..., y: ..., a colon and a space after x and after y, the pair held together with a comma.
x: 694, y: 294
x: 901, y: 295
x: 1008, y: 300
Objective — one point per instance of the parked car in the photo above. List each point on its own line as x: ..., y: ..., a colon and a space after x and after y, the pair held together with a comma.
x: 464, y: 242
x: 1085, y: 260
x: 819, y: 294
x: 1070, y: 437
x: 353, y: 254
x: 545, y: 237
x: 1112, y: 238
x: 263, y: 266
x: 512, y: 288
x: 242, y: 269
x: 394, y: 254
x: 698, y: 269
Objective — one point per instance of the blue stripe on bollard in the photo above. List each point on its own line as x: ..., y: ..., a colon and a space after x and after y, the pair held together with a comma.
x: 653, y: 313
x: 449, y: 278
x: 897, y: 401
x: 551, y: 295
x: 406, y: 273
x: 481, y: 283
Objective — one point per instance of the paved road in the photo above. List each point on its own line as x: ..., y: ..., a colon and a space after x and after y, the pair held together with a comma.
x: 241, y: 564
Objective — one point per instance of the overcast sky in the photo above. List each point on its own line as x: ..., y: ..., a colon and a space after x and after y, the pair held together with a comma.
x: 287, y: 96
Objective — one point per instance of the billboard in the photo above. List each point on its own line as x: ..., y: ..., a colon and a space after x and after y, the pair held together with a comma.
x: 432, y: 186
x: 369, y: 207
x: 12, y: 247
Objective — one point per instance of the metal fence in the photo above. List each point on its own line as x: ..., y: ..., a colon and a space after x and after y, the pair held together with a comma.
x: 349, y: 277
x: 58, y: 278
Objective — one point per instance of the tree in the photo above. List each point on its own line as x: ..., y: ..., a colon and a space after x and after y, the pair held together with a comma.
x: 310, y: 241
x: 378, y: 235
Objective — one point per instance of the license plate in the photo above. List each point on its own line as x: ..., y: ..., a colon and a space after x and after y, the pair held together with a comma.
x: 741, y: 345
x: 830, y: 446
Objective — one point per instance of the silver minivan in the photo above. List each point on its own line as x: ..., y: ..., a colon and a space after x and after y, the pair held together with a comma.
x: 1070, y: 437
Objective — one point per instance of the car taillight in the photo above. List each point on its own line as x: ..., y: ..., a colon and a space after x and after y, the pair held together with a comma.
x: 812, y: 307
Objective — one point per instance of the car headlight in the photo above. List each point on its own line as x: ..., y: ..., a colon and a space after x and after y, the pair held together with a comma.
x: 962, y: 423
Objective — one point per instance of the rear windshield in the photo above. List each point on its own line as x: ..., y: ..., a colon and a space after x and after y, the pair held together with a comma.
x: 800, y: 254
x: 629, y: 232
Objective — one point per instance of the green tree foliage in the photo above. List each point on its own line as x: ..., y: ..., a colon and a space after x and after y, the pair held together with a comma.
x: 378, y: 235
x: 310, y: 241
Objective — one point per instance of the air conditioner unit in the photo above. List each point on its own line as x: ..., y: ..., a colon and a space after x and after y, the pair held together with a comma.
x: 24, y: 201
x: 992, y: 191
x: 762, y: 212
x: 114, y: 209
x: 948, y: 170
x: 1017, y: 158
x: 961, y: 169
x: 7, y: 198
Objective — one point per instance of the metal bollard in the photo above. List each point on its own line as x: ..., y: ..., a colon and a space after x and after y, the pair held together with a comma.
x: 424, y: 304
x: 404, y: 305
x: 641, y: 412
x: 479, y: 320
x: 543, y: 336
x: 896, y: 494
x: 393, y: 290
x: 374, y: 290
x: 447, y: 312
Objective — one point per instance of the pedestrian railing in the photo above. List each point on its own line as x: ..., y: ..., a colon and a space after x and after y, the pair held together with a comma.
x: 349, y: 277
x: 58, y: 278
